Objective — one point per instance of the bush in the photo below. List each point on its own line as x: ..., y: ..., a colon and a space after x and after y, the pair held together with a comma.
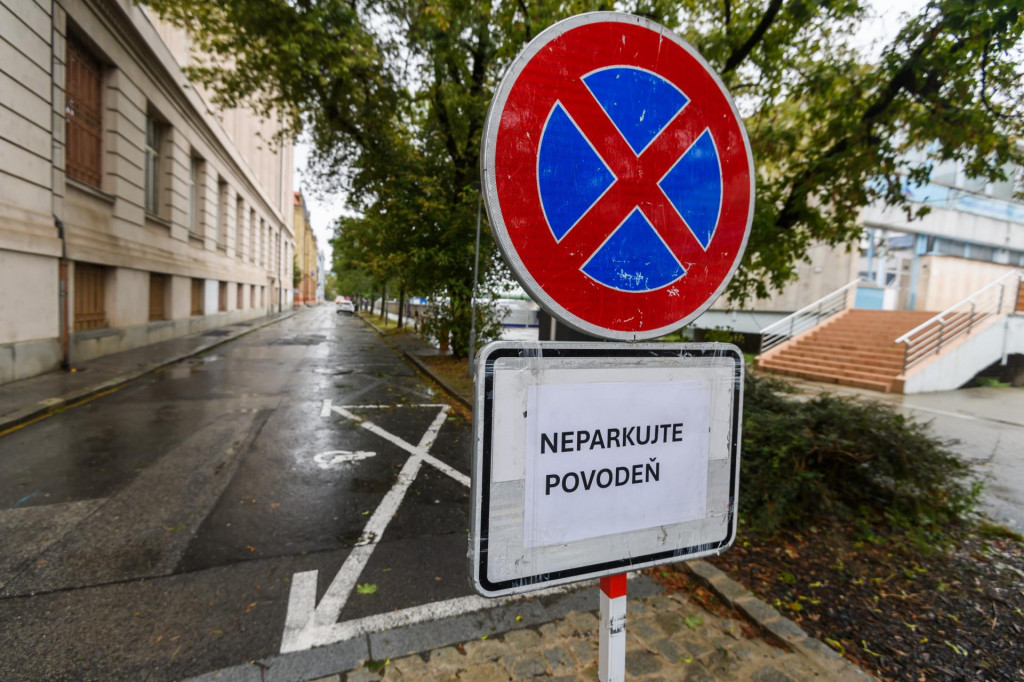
x: 829, y: 456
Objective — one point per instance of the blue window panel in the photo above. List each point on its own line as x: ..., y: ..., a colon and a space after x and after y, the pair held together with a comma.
x: 694, y: 186
x: 570, y: 174
x: 634, y: 258
x: 638, y: 102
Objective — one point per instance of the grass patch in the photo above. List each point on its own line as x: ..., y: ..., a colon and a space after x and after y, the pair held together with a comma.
x: 453, y: 370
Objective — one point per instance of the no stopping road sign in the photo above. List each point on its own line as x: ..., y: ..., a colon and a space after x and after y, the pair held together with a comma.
x: 618, y: 176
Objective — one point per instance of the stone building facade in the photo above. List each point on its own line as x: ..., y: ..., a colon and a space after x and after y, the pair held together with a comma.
x: 306, y: 260
x: 131, y: 209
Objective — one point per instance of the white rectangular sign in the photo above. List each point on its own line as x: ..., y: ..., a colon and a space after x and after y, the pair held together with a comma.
x: 609, y: 458
x: 596, y: 458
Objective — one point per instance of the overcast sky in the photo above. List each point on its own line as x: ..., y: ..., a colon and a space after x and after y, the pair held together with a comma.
x: 876, y: 32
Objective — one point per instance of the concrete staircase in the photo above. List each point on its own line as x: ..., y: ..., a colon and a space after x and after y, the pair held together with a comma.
x: 855, y: 348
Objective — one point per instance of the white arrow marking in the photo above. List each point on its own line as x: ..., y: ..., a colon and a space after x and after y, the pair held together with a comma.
x: 334, y: 458
x: 308, y: 624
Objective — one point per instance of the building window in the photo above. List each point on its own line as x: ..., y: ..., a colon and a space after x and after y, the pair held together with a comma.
x: 241, y: 296
x: 197, y: 297
x: 222, y: 213
x: 239, y: 223
x: 157, y: 296
x: 261, y: 244
x: 222, y: 297
x: 195, y: 178
x: 154, y: 135
x: 252, y: 236
x: 84, y: 114
x: 252, y: 297
x: 90, y: 294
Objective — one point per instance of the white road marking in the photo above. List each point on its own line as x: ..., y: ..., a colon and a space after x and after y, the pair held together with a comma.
x: 381, y: 622
x: 435, y: 426
x: 382, y: 407
x: 308, y: 624
x: 958, y: 415
x: 445, y: 469
x: 334, y: 458
x: 325, y: 411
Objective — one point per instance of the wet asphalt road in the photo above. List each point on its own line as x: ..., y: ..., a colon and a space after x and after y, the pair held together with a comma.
x: 156, y: 533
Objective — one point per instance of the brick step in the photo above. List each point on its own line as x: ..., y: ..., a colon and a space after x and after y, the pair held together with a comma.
x: 859, y: 358
x: 831, y: 369
x: 888, y: 315
x: 882, y: 386
x: 881, y: 350
x: 857, y: 349
x: 858, y: 339
x: 860, y: 335
x: 845, y: 347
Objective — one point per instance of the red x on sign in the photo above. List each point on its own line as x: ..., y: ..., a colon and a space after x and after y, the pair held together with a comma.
x: 618, y: 176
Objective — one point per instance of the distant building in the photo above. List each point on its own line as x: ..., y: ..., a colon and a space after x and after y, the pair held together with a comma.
x: 321, y: 276
x: 131, y: 210
x: 305, y: 253
x: 973, y: 234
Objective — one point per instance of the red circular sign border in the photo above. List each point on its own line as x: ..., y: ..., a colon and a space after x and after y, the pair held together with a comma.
x: 512, y: 133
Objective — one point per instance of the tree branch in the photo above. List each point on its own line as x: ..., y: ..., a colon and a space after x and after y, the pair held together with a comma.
x: 741, y: 53
x: 902, y: 81
x: 526, y: 19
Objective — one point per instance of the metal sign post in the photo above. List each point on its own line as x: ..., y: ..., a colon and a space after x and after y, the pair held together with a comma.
x: 611, y: 655
x: 619, y: 183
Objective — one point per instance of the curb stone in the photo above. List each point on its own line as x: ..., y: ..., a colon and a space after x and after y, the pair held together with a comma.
x: 447, y: 388
x: 53, y: 404
x: 773, y: 624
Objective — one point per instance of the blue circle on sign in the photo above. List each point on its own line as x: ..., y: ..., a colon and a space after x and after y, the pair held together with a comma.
x: 572, y: 177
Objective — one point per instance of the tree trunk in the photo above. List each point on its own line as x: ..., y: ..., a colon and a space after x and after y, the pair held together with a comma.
x: 384, y: 304
x: 401, y: 304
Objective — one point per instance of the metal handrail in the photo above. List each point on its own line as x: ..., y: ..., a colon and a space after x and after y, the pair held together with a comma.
x: 806, y: 318
x: 960, y: 319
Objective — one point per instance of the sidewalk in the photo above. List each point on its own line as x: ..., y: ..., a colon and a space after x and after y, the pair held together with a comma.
x: 24, y: 401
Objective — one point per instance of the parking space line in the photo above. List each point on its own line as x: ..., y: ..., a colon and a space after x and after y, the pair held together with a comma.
x: 308, y: 624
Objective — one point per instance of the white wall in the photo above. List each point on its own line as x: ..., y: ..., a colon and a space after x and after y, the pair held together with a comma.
x: 945, y: 280
x: 29, y: 302
x: 127, y: 297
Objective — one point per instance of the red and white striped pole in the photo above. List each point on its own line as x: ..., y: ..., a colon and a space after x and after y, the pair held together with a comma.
x: 611, y: 654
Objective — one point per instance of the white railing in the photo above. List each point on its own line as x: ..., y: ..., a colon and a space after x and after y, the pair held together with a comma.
x: 928, y: 338
x: 807, y: 317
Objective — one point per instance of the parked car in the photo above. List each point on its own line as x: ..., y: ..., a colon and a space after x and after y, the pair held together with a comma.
x: 345, y: 306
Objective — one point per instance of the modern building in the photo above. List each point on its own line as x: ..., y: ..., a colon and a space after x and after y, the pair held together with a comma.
x: 931, y: 302
x: 132, y: 210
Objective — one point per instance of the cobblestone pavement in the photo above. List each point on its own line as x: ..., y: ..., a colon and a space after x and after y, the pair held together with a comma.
x: 669, y: 638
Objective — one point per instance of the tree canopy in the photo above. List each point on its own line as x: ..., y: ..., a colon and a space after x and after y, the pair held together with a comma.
x: 392, y: 95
